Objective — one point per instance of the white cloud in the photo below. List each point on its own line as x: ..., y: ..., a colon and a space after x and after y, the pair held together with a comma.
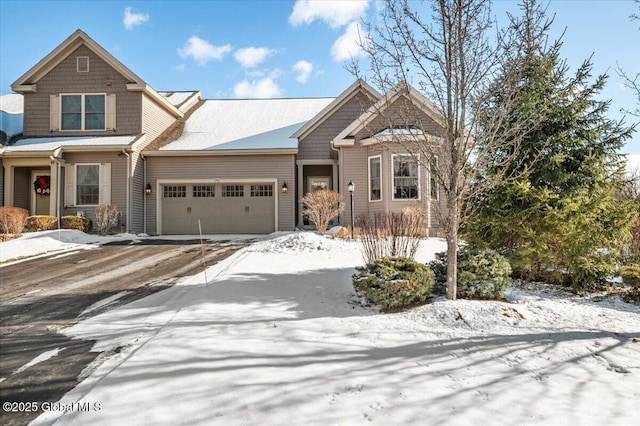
x: 265, y: 88
x: 304, y: 69
x: 132, y: 19
x: 349, y: 44
x: 250, y: 57
x: 334, y: 13
x: 202, y: 51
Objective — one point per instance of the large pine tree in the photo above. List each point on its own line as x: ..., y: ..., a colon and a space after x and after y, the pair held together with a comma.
x: 560, y: 218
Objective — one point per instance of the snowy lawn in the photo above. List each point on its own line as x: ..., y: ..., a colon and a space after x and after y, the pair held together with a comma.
x: 277, y: 338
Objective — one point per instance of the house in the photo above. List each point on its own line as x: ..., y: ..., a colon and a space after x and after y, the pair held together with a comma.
x: 96, y: 133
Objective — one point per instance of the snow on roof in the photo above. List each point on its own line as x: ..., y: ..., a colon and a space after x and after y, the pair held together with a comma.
x: 177, y: 98
x: 13, y: 103
x: 11, y: 106
x: 50, y: 144
x: 246, y: 124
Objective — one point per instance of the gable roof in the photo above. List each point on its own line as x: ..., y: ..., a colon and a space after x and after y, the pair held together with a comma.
x: 346, y: 137
x: 27, y: 83
x: 359, y: 86
x: 245, y: 124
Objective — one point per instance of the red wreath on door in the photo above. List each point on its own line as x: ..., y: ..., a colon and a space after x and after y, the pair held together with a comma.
x: 41, y: 185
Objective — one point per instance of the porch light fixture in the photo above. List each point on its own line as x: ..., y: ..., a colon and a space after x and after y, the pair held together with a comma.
x: 147, y: 189
x: 285, y: 188
x: 351, y: 187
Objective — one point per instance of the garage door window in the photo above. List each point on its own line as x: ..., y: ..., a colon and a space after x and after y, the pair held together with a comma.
x: 262, y: 190
x: 176, y: 191
x: 233, y: 191
x: 203, y: 191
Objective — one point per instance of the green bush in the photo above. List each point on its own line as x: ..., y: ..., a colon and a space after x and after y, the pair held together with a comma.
x: 631, y: 275
x: 482, y: 274
x: 12, y: 220
x: 80, y: 223
x: 41, y: 223
x: 394, y: 282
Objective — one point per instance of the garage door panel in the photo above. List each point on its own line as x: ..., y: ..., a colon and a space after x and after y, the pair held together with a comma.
x: 221, y: 208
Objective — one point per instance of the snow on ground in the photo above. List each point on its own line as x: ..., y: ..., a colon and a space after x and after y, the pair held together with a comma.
x: 276, y: 337
x: 65, y: 241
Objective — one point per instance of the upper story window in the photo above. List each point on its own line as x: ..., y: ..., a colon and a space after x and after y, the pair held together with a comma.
x: 375, y: 178
x: 405, y: 178
x: 83, y: 112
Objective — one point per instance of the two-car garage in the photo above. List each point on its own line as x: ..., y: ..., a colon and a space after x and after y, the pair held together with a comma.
x: 217, y: 207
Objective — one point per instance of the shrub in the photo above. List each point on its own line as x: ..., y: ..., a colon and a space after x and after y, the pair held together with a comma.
x: 41, y: 223
x: 80, y: 223
x: 12, y: 220
x: 482, y: 274
x: 321, y: 207
x: 631, y: 275
x: 106, y: 218
x: 391, y: 234
x: 394, y: 282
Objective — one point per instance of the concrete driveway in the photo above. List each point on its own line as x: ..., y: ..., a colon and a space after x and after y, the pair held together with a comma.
x: 40, y: 297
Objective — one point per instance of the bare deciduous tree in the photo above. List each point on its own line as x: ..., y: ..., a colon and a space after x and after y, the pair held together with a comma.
x: 321, y: 207
x: 450, y: 58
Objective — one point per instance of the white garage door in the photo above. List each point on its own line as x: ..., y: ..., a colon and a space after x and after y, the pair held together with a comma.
x: 233, y: 208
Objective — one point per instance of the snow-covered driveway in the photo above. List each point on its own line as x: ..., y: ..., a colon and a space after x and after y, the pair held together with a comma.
x: 275, y: 339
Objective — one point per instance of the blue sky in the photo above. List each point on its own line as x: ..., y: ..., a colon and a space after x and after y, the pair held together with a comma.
x: 229, y: 49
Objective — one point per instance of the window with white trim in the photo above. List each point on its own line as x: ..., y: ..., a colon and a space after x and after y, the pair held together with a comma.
x: 231, y: 191
x: 87, y: 184
x: 83, y: 112
x: 174, y: 191
x: 375, y: 178
x: 406, y: 182
x: 204, y: 191
x: 262, y: 190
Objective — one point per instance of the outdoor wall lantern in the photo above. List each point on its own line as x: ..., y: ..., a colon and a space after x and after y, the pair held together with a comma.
x: 285, y: 188
x: 147, y: 189
x: 351, y: 187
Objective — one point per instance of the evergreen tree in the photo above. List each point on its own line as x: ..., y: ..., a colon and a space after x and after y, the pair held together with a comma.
x: 562, y: 217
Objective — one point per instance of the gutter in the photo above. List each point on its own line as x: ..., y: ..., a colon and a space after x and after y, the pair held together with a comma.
x: 192, y: 153
x: 128, y: 191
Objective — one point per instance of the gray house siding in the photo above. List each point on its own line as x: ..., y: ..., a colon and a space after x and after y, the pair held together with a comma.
x: 317, y: 144
x: 353, y: 166
x: 280, y: 167
x: 64, y: 78
x: 118, y: 182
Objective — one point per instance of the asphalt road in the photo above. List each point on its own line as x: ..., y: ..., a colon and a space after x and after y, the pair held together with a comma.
x: 40, y: 297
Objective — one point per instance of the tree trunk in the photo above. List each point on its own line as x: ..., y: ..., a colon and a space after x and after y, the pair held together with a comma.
x: 452, y: 258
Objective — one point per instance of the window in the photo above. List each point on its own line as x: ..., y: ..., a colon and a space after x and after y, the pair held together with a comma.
x: 88, y: 184
x: 203, y: 191
x: 233, y: 191
x: 375, y: 176
x: 405, y: 178
x: 174, y: 191
x: 83, y: 112
x: 83, y: 64
x: 262, y: 190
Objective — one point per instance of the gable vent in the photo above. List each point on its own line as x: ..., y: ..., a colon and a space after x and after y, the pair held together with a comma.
x: 83, y: 64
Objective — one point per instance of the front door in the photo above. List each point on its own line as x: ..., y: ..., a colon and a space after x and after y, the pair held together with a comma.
x: 40, y: 192
x: 316, y: 183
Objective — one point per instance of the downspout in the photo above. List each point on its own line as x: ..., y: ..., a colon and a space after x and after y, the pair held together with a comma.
x: 340, y: 170
x: 128, y: 191
x: 144, y: 199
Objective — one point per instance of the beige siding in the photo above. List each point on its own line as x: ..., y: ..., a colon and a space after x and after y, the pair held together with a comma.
x: 1, y: 183
x: 279, y: 167
x: 317, y: 144
x: 137, y: 193
x: 118, y: 180
x: 155, y: 119
x: 354, y: 168
x: 64, y: 78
